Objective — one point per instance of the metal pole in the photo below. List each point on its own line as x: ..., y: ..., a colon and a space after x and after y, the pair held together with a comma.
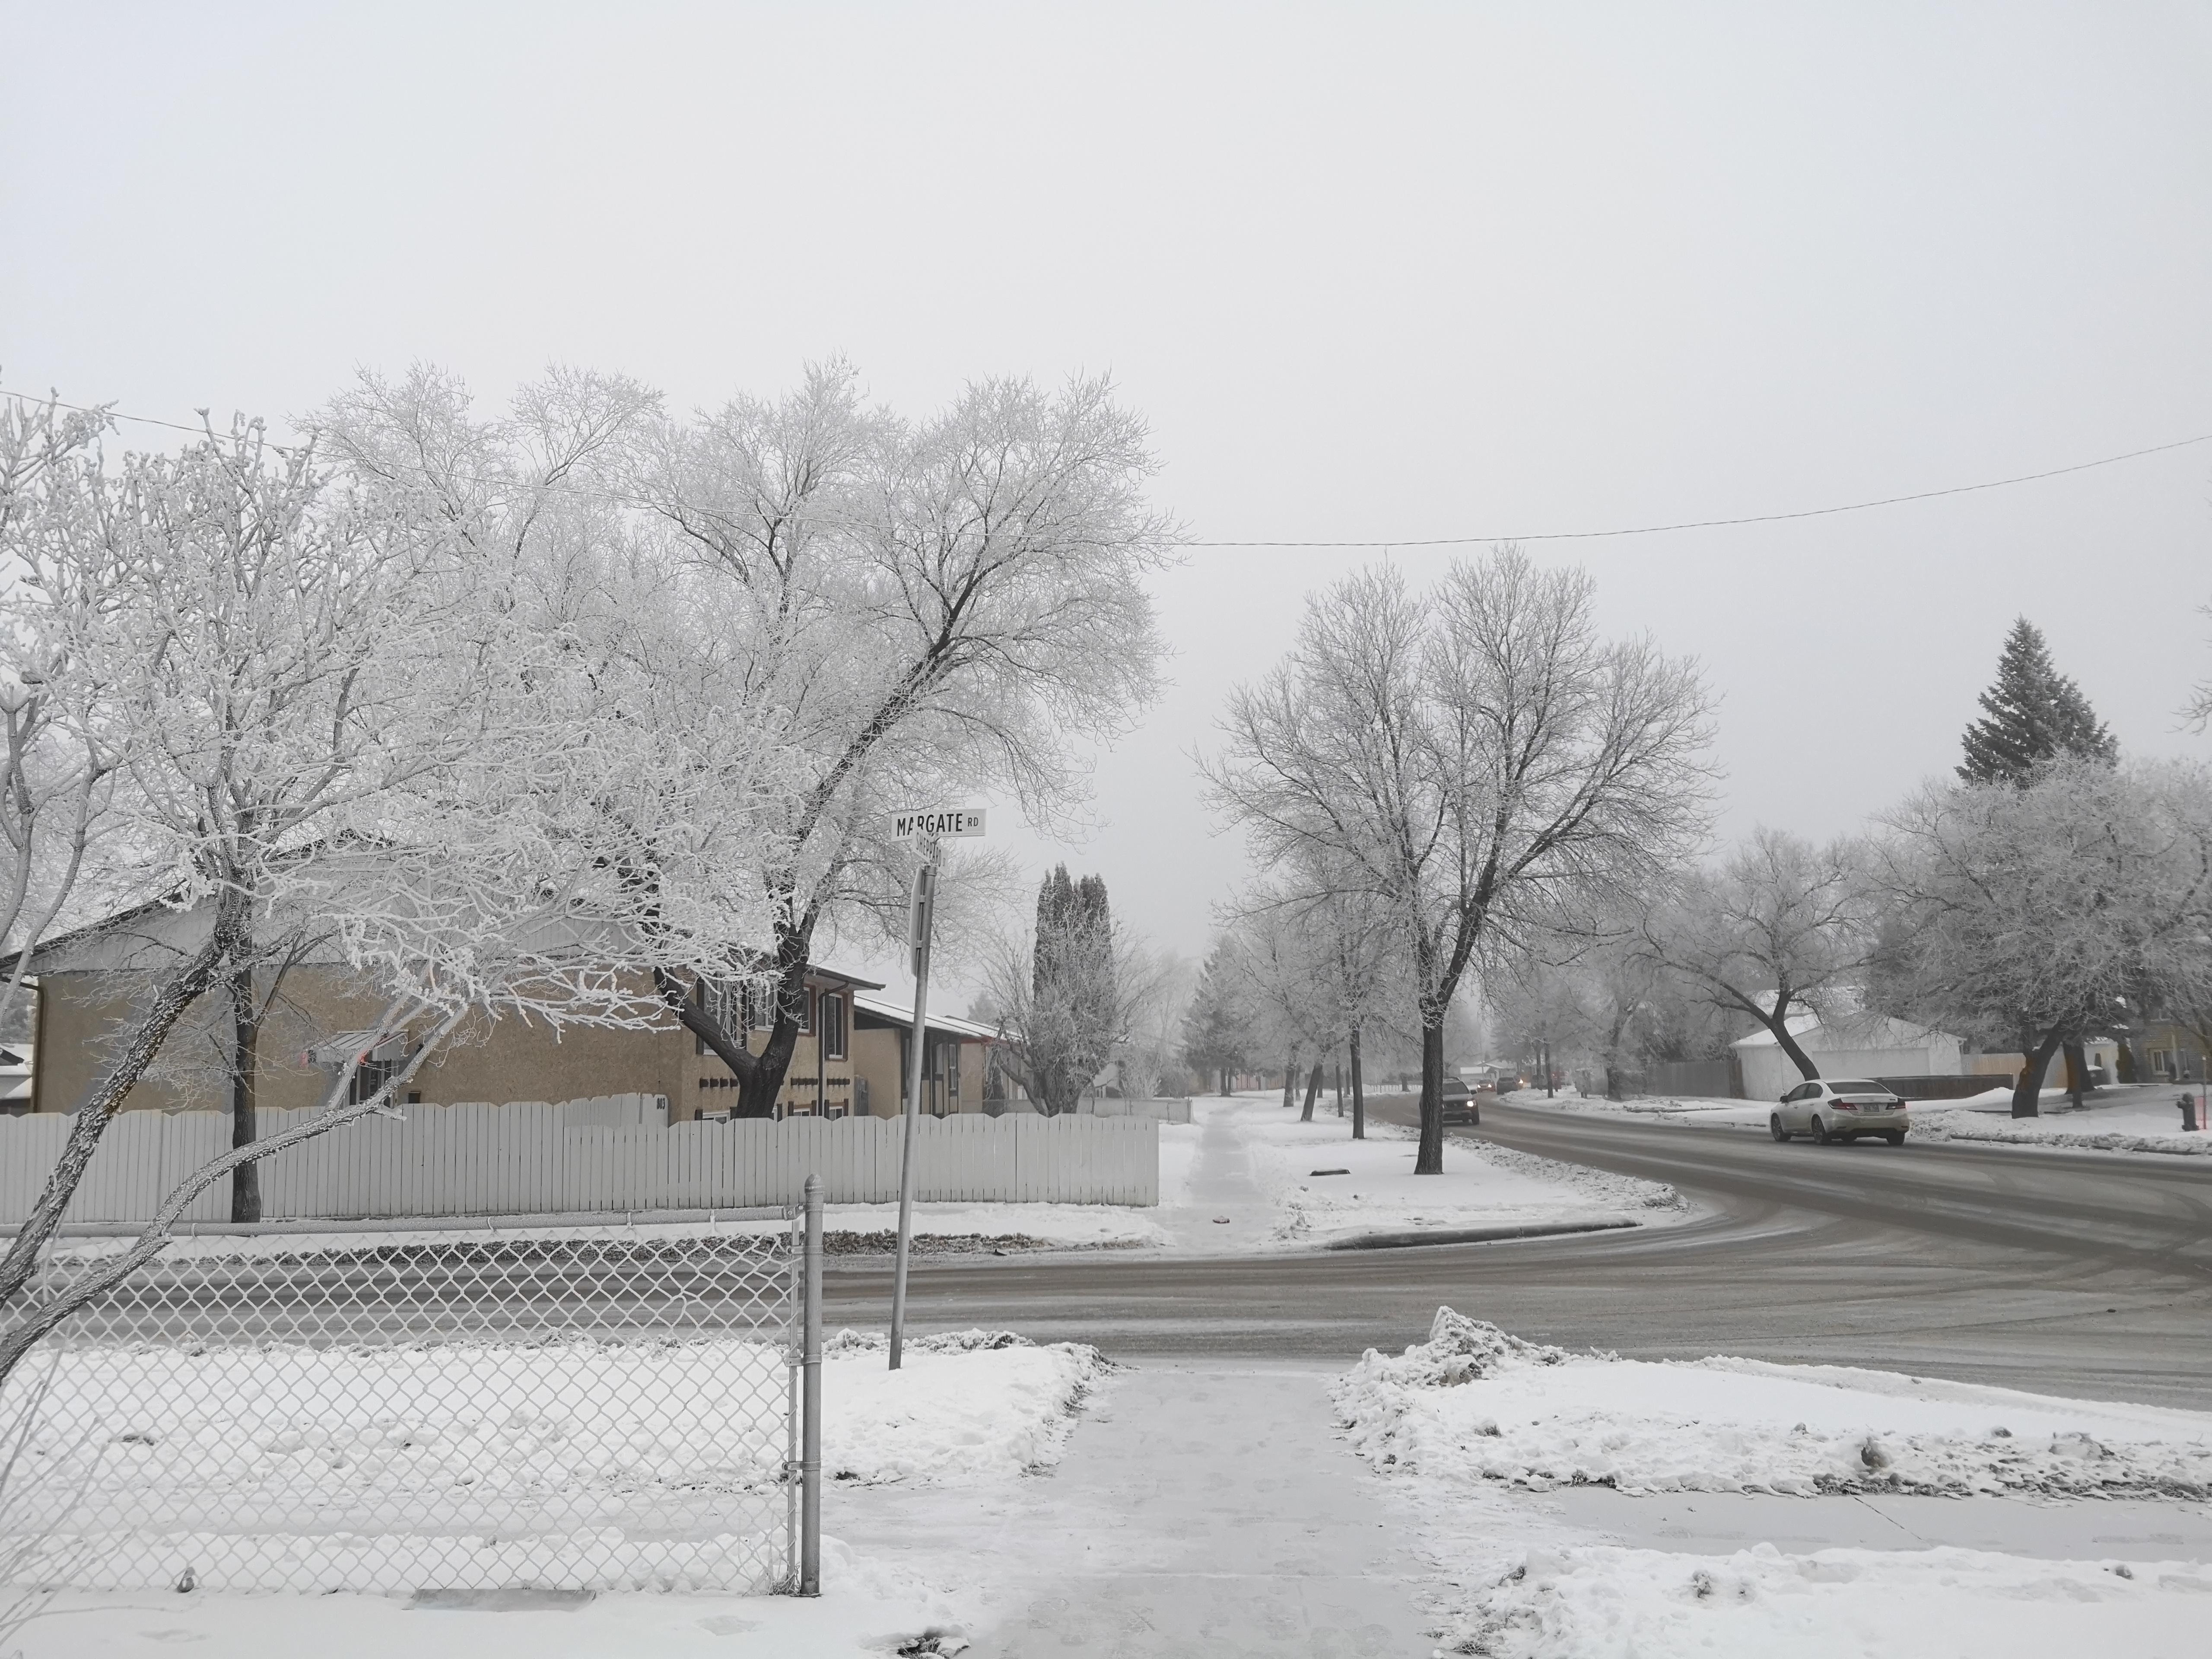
x: 810, y: 1455
x: 925, y: 895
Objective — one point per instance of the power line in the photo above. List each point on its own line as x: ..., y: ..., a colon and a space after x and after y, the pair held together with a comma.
x: 112, y: 413
x: 1452, y: 541
x: 1756, y: 518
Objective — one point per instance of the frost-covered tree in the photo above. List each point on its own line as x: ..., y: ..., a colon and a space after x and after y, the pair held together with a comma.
x: 1779, y: 925
x: 930, y: 605
x: 2041, y: 914
x: 364, y: 733
x: 1314, y: 959
x: 1477, y: 762
x: 62, y: 746
x: 2031, y: 716
x: 1275, y: 959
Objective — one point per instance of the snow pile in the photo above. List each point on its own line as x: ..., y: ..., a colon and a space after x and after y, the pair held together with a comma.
x: 1611, y: 1603
x: 1475, y: 1404
x: 963, y: 1407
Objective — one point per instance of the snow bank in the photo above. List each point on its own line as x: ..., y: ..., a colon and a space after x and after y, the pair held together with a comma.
x: 1481, y: 1186
x: 2140, y: 1121
x: 1610, y: 1603
x: 963, y: 1407
x: 1475, y: 1404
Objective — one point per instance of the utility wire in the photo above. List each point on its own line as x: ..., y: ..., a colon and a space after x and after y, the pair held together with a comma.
x: 1458, y: 541
x: 1756, y: 518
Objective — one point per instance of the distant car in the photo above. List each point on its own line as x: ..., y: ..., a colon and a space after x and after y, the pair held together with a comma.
x: 1839, y: 1108
x: 1460, y: 1105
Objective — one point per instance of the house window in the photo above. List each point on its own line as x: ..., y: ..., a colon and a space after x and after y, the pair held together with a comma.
x: 368, y: 1077
x: 833, y: 1026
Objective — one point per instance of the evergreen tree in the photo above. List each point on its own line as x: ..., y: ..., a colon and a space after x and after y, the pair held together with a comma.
x: 1216, y: 1028
x: 1075, y: 1011
x: 2030, y: 716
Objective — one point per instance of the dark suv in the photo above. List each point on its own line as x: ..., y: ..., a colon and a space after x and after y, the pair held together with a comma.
x: 1460, y: 1104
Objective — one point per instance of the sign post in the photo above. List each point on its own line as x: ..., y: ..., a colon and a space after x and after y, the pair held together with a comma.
x: 930, y: 826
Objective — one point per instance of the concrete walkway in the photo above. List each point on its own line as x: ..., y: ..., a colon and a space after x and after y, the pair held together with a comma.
x: 1222, y: 1208
x: 1202, y: 1510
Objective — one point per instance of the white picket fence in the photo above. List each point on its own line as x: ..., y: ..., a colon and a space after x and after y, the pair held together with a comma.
x: 526, y: 1159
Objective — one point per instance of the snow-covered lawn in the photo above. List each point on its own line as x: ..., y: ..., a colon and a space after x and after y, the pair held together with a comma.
x: 1374, y: 1189
x: 868, y: 1608
x: 1473, y: 1415
x: 367, y: 1436
x: 2139, y: 1118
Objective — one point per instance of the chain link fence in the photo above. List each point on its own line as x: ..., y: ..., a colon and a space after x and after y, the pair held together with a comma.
x: 580, y: 1411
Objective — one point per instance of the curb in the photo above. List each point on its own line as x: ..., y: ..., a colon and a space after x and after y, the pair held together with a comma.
x: 1472, y: 1235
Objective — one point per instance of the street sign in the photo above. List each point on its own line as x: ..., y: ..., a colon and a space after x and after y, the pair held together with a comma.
x: 938, y: 824
x: 933, y: 825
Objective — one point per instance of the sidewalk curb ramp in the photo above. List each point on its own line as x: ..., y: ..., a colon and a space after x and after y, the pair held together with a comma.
x: 1401, y: 1241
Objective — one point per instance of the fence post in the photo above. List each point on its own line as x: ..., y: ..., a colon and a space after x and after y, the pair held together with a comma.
x: 810, y: 1454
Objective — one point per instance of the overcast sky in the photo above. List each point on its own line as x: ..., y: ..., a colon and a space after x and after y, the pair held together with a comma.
x: 1372, y: 272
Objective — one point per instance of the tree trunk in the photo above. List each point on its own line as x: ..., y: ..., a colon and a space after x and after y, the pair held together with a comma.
x: 2077, y: 1071
x: 1358, y: 1098
x: 244, y: 1063
x: 1313, y: 1092
x: 759, y: 1088
x: 1612, y: 1081
x: 1544, y: 1051
x: 2028, y: 1093
x: 1778, y: 1023
x: 1339, y: 1088
x: 1430, y: 1159
x: 204, y: 970
x: 36, y: 1319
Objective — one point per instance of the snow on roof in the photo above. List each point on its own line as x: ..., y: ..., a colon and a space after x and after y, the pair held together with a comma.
x: 885, y: 1009
x: 1848, y: 1031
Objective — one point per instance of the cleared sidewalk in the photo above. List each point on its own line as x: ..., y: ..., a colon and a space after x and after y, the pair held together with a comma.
x: 1202, y: 1509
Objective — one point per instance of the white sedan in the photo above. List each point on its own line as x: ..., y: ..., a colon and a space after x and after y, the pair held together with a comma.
x: 1839, y: 1108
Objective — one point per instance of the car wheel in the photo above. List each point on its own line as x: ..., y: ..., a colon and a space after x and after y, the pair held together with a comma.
x: 1895, y: 1137
x: 1774, y: 1126
x: 1819, y: 1132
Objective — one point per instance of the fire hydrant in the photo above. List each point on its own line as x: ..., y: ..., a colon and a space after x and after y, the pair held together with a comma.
x: 2188, y: 1105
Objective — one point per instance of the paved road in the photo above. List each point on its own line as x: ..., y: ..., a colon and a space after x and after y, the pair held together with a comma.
x: 2072, y: 1273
